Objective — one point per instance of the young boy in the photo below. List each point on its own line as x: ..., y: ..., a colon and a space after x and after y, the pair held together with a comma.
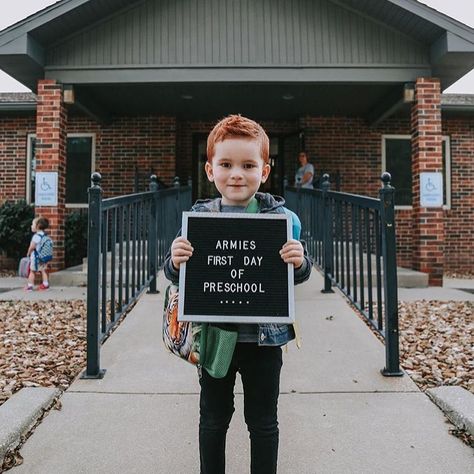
x: 38, y: 226
x: 238, y: 155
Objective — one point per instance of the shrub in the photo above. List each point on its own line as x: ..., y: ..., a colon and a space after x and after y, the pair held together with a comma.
x: 15, y: 227
x: 75, y: 244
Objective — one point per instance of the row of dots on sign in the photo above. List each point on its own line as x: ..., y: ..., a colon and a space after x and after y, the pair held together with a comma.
x: 234, y: 302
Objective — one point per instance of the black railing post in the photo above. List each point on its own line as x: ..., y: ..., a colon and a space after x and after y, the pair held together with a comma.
x: 387, y: 217
x: 299, y: 199
x: 93, y: 370
x: 176, y: 185
x: 153, y: 235
x: 326, y: 234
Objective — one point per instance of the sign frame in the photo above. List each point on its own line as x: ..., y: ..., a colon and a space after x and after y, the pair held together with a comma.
x: 431, y: 189
x: 183, y: 315
x: 48, y: 197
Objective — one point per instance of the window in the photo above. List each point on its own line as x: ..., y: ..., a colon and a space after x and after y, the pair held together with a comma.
x: 79, y: 166
x: 396, y: 159
x: 30, y: 168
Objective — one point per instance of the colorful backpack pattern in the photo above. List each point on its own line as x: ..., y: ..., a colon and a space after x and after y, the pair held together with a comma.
x: 180, y: 338
x: 45, y: 249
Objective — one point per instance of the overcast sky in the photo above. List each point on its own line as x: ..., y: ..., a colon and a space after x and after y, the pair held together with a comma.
x: 15, y: 10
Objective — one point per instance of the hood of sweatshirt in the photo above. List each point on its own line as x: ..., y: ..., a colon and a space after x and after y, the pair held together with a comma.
x: 266, y: 201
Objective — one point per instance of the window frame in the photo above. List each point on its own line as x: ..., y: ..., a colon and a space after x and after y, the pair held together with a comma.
x: 29, y: 149
x: 447, y: 180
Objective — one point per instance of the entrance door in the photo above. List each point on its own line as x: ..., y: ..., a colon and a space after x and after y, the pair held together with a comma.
x: 291, y: 146
x: 202, y: 187
x: 274, y: 184
x: 283, y: 160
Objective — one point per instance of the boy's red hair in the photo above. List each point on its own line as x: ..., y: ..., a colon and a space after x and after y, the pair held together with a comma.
x: 236, y: 126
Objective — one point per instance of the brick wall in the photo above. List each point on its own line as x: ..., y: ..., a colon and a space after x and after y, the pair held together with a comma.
x: 428, y: 223
x: 51, y: 122
x: 459, y: 224
x: 334, y: 143
x: 13, y: 143
x: 147, y: 142
x: 352, y: 148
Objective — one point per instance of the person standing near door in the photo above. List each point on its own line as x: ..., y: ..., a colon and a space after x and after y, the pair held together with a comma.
x: 305, y: 173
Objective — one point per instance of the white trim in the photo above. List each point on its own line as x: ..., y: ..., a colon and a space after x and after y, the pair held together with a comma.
x: 447, y: 140
x: 30, y: 136
x: 391, y: 137
x: 29, y: 150
x: 447, y: 178
x: 77, y: 206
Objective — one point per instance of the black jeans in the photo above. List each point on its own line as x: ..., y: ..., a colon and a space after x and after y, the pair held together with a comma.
x: 260, y: 368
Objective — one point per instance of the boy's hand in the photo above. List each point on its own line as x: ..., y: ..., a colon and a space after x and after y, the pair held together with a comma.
x: 292, y: 252
x: 181, y: 251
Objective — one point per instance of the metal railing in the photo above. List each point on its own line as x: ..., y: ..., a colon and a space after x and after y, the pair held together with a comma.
x: 141, y: 180
x: 352, y: 240
x: 128, y: 237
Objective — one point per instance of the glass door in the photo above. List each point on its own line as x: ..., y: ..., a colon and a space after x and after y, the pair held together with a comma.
x: 202, y: 187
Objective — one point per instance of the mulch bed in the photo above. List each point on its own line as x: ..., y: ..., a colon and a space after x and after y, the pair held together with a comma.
x: 8, y: 273
x: 436, y: 342
x: 41, y: 344
x: 44, y: 344
x: 463, y: 275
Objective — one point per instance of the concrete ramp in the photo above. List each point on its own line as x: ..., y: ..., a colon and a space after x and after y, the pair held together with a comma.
x: 337, y: 413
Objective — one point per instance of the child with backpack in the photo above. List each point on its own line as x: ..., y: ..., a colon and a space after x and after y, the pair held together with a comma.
x: 238, y: 163
x: 40, y: 252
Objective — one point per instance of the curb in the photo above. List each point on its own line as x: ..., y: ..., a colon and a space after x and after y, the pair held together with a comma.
x: 458, y: 405
x: 20, y: 412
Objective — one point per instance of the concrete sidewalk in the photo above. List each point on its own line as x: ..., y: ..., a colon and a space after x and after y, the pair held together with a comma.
x: 337, y: 413
x: 12, y: 288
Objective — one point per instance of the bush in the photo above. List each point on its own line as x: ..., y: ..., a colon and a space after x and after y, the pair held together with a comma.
x: 15, y: 227
x: 75, y: 244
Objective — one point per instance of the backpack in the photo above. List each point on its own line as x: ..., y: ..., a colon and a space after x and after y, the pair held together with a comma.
x: 201, y: 344
x: 181, y: 338
x: 44, y: 249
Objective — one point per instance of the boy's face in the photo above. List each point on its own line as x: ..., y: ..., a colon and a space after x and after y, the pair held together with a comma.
x: 237, y: 170
x: 33, y: 226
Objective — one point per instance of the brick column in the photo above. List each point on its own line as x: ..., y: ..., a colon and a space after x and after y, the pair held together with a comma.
x: 51, y: 122
x: 426, y: 141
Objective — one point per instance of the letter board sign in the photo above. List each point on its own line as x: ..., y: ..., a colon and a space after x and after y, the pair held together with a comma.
x: 236, y: 273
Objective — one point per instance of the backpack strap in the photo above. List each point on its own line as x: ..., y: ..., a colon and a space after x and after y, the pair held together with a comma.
x: 38, y: 246
x: 295, y: 223
x: 252, y: 206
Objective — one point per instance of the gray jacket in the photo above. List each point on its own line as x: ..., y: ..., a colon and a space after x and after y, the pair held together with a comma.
x: 268, y: 334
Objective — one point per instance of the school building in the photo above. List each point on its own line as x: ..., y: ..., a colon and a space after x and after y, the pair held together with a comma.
x: 131, y: 87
